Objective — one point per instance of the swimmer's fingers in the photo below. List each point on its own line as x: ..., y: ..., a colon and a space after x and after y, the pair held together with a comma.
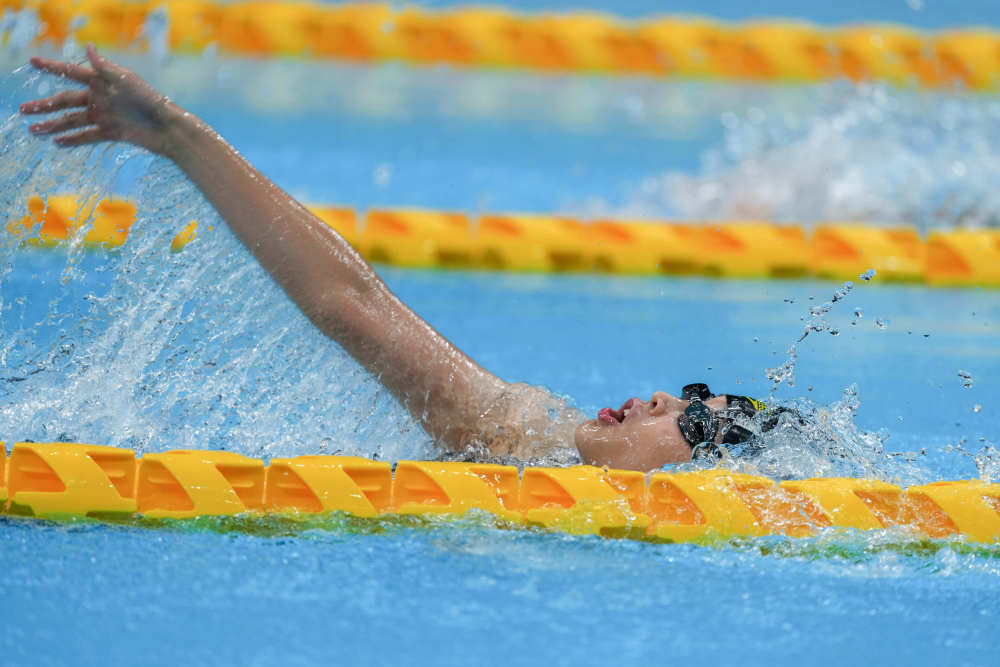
x: 89, y: 136
x: 100, y: 64
x: 67, y: 99
x: 69, y: 121
x: 72, y: 71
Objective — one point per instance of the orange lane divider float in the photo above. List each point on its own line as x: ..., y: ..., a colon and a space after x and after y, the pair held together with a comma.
x: 581, y: 41
x: 64, y: 480
x: 420, y: 238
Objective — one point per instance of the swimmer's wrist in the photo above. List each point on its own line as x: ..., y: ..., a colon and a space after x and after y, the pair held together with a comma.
x: 179, y: 131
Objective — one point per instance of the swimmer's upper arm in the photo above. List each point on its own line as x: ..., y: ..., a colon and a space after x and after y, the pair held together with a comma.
x: 445, y: 390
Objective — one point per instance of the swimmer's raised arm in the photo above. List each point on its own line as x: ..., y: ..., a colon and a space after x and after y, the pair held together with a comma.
x: 448, y: 393
x: 456, y: 401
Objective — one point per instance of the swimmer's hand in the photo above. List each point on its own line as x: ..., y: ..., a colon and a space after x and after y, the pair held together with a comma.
x: 117, y: 105
x: 452, y: 397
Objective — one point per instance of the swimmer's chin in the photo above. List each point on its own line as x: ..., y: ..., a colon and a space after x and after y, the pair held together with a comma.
x: 591, y: 453
x: 606, y: 445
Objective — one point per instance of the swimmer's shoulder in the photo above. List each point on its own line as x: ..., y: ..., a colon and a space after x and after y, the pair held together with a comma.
x: 538, y: 425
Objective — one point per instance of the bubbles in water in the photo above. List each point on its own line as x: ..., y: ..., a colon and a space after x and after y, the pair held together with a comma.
x: 867, y: 275
x: 977, y: 408
x: 966, y: 378
x: 882, y: 323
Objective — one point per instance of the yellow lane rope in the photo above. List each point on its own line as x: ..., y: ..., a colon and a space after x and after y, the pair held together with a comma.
x: 59, y: 480
x: 483, y: 36
x: 421, y: 238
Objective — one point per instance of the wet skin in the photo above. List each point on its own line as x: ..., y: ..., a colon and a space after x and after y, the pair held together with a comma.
x: 453, y: 398
x: 642, y: 435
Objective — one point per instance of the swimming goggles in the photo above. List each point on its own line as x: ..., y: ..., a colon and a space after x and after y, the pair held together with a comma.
x: 705, y: 429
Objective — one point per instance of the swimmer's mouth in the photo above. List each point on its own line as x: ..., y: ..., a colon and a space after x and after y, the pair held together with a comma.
x: 611, y: 416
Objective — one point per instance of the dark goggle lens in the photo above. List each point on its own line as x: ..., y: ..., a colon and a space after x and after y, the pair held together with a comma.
x: 697, y: 424
x: 736, y: 435
x: 697, y: 390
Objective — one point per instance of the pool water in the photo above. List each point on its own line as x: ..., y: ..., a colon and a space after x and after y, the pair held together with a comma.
x: 143, y: 348
x: 460, y: 594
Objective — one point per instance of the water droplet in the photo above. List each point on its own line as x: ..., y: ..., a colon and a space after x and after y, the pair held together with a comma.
x: 867, y: 275
x: 383, y: 175
x: 789, y: 299
x: 966, y: 378
x: 882, y: 323
x: 977, y: 408
x: 858, y: 313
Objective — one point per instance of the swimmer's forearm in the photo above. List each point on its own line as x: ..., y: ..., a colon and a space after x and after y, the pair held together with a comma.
x: 445, y: 390
x: 297, y: 249
x: 334, y: 286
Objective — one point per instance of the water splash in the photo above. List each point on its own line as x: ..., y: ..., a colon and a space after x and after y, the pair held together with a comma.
x: 812, y: 440
x: 987, y: 461
x: 816, y: 322
x: 18, y: 29
x: 155, y: 30
x: 986, y: 458
x: 143, y: 348
x: 838, y: 151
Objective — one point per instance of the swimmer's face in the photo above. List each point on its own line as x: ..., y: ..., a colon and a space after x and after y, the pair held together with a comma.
x: 641, y: 435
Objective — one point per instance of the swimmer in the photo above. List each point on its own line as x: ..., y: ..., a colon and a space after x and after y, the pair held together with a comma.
x: 464, y: 408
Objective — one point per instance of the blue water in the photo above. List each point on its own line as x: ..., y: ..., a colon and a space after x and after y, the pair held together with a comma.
x: 147, y: 349
x: 457, y: 595
x: 929, y: 14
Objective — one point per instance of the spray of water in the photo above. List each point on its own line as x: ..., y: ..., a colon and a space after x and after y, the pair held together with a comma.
x: 143, y: 348
x: 815, y: 322
x: 838, y: 152
x: 811, y: 440
x: 146, y: 349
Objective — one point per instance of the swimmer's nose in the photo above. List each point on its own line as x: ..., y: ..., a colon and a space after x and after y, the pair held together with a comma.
x: 661, y: 403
